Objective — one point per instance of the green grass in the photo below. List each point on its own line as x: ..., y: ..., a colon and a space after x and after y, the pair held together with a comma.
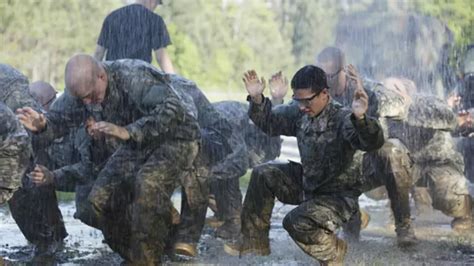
x: 65, y: 196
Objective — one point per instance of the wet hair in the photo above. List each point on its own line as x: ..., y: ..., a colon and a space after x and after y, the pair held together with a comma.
x: 331, y: 54
x: 309, y: 77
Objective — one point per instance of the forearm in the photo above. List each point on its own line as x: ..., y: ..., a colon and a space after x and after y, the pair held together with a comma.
x: 164, y: 61
x: 273, y: 121
x: 99, y: 53
x: 367, y: 133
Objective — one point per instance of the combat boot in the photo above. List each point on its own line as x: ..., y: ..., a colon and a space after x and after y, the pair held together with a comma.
x: 341, y: 250
x: 405, y: 234
x: 464, y: 223
x: 186, y: 249
x: 229, y: 230
x: 246, y: 246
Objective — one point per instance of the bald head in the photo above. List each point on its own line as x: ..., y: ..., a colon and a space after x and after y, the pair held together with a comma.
x: 85, y: 77
x: 43, y: 93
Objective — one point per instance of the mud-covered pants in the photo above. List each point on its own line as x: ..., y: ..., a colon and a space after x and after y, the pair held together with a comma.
x: 312, y: 224
x: 153, y: 172
x: 391, y: 167
x: 36, y: 212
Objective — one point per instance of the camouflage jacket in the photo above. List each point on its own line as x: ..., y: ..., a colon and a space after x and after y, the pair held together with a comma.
x: 326, y: 143
x: 259, y: 147
x: 14, y: 90
x: 141, y: 99
x: 15, y: 151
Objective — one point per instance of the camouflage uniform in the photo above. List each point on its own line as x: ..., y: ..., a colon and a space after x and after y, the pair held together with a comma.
x: 163, y: 132
x: 34, y: 209
x: 15, y: 152
x: 323, y: 185
x: 437, y: 164
x: 253, y: 147
x: 389, y: 166
x: 216, y: 134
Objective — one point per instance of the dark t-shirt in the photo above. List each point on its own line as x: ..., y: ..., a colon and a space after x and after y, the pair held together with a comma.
x: 133, y: 32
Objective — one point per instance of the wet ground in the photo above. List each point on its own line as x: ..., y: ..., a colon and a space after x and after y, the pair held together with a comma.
x: 438, y: 245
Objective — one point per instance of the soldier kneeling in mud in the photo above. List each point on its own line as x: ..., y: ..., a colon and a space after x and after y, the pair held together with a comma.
x: 15, y: 154
x: 322, y: 186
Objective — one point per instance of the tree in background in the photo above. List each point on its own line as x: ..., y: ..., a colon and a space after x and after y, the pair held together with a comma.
x: 214, y: 41
x: 38, y: 36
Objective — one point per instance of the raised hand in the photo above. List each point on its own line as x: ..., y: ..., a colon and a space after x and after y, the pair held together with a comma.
x: 354, y: 77
x: 31, y: 119
x: 254, y: 86
x: 278, y: 86
x: 360, y: 103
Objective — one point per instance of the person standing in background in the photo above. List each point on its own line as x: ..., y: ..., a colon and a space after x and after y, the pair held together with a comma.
x: 134, y: 32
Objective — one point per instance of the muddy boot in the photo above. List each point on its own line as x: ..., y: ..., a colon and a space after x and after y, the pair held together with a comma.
x: 186, y: 249
x: 405, y: 234
x: 464, y: 223
x: 246, y: 246
x: 423, y: 201
x: 341, y: 250
x: 229, y: 230
x: 45, y: 253
x: 352, y: 228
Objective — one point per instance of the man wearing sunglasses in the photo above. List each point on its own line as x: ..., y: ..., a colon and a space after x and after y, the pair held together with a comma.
x: 322, y: 186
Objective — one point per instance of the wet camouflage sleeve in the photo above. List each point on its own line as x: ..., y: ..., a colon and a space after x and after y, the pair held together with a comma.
x: 14, y: 90
x: 163, y: 112
x: 81, y: 172
x: 65, y: 113
x: 208, y: 117
x: 236, y: 163
x: 281, y: 120
x: 365, y: 134
x: 15, y: 152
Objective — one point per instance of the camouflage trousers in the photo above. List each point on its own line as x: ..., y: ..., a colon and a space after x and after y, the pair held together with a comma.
x: 390, y: 167
x: 444, y: 181
x: 36, y: 212
x: 312, y: 224
x: 5, y: 195
x: 228, y: 198
x: 153, y: 173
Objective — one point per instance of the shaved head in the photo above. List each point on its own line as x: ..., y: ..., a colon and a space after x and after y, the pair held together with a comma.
x: 43, y: 93
x: 82, y: 75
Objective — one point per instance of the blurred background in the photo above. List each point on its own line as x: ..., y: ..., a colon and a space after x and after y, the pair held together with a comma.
x: 215, y: 41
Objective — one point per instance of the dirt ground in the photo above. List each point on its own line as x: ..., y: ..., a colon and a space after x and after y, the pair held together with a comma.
x: 438, y: 245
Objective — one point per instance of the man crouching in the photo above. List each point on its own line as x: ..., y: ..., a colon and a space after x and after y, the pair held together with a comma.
x: 322, y: 186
